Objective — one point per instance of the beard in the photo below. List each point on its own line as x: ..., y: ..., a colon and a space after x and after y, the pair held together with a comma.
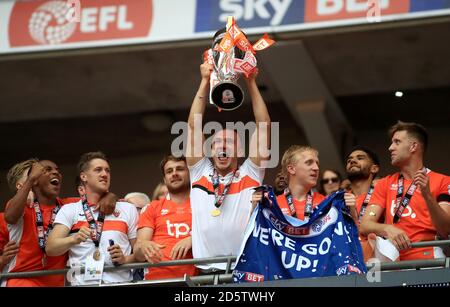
x: 361, y: 174
x: 178, y: 188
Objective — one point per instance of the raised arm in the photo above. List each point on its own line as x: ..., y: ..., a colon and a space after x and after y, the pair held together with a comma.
x: 15, y: 207
x: 195, y: 138
x: 260, y: 139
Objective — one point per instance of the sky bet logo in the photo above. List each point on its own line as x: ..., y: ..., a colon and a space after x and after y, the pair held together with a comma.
x: 212, y: 15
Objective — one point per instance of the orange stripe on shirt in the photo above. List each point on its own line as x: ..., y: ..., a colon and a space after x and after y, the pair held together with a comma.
x: 107, y: 226
x: 205, y: 183
x: 246, y: 182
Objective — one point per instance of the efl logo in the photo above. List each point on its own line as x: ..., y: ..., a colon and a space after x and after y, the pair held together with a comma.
x: 47, y: 22
x: 324, y: 10
x: 212, y: 15
x: 317, y: 226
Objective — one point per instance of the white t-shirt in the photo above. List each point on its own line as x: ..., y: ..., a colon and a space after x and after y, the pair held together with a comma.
x: 221, y: 235
x: 120, y: 226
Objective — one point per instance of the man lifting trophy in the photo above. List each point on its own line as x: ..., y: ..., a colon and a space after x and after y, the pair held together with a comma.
x: 232, y: 55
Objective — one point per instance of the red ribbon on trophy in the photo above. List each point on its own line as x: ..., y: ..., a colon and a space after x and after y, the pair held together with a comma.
x: 231, y: 54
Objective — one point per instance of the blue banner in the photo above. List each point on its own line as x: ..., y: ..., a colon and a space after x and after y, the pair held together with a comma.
x: 282, y: 247
x: 212, y: 15
x: 428, y: 5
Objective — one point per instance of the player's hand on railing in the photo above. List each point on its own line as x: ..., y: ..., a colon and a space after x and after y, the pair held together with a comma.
x: 180, y: 250
x: 152, y: 251
x: 398, y: 237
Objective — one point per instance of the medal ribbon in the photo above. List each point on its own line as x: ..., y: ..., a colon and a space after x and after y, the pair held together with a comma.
x: 42, y: 235
x: 366, y: 202
x: 308, y: 205
x: 215, y: 180
x: 402, y: 202
x: 95, y: 227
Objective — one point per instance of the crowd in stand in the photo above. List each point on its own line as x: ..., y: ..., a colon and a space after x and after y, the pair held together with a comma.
x: 203, y: 205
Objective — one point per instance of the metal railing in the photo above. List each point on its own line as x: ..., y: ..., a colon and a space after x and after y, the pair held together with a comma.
x: 430, y: 243
x: 199, y: 261
x: 229, y: 260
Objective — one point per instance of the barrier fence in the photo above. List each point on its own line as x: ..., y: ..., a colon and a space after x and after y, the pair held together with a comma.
x: 215, y: 279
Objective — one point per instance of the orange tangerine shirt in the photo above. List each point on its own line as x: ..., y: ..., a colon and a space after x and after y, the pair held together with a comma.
x: 415, y: 220
x: 171, y: 222
x: 29, y: 257
x: 4, y: 234
x: 298, y: 205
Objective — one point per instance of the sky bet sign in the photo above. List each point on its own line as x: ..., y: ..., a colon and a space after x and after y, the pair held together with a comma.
x: 211, y: 15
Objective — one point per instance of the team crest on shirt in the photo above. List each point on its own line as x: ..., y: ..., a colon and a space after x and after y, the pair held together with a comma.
x: 116, y: 213
x: 394, y: 187
x: 164, y: 211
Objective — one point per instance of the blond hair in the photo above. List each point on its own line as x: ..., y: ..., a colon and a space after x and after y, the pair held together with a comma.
x: 17, y: 172
x: 157, y: 190
x: 290, y: 157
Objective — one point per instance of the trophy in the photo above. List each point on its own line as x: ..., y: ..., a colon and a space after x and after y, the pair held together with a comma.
x: 232, y: 55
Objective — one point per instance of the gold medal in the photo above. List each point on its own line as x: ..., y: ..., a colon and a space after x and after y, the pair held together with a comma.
x: 215, y: 212
x: 44, y: 260
x: 97, y: 254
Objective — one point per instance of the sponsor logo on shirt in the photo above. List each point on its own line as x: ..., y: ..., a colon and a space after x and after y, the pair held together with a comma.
x: 177, y: 229
x: 394, y: 187
x: 164, y: 211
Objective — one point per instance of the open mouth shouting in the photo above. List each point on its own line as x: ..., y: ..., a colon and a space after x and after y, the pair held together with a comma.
x: 222, y: 156
x: 55, y: 181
